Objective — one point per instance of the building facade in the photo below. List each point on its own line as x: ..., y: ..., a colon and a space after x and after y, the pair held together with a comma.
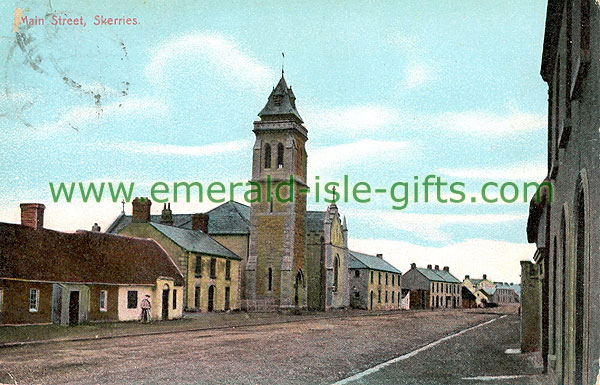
x: 374, y: 283
x: 432, y: 288
x: 70, y: 278
x: 211, y: 271
x: 327, y: 260
x: 562, y: 218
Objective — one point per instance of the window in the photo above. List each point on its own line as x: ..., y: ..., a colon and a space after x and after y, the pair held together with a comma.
x: 198, y: 269
x: 356, y: 294
x: 33, y: 300
x: 393, y: 293
x: 213, y: 268
x: 228, y: 269
x: 336, y: 272
x: 280, y: 155
x: 132, y: 299
x: 386, y: 296
x: 270, y: 279
x: 379, y: 296
x: 393, y: 278
x: 102, y: 300
x: 379, y: 280
x: 197, y: 297
x: 267, y: 155
x: 356, y: 273
x: 386, y: 278
x: 227, y: 290
x: 371, y: 277
x: 174, y: 299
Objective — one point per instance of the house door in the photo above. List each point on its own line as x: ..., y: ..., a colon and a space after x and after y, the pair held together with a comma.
x: 165, y: 304
x: 73, y: 308
x: 211, y: 298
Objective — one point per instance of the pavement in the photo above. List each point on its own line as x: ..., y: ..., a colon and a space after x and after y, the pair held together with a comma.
x: 319, y: 350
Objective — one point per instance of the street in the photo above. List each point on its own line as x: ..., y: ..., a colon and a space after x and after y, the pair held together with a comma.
x: 320, y: 351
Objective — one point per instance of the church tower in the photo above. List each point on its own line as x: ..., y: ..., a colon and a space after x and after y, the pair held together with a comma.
x: 274, y: 273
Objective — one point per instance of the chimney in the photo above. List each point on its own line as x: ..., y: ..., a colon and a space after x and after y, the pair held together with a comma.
x: 437, y: 267
x: 141, y: 210
x: 166, y: 217
x: 200, y: 222
x: 429, y: 267
x: 32, y: 215
x: 413, y: 265
x: 467, y: 276
x: 485, y: 276
x: 379, y: 256
x: 446, y: 268
x: 96, y: 228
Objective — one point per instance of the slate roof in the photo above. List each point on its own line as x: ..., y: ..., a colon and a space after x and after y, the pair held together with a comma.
x: 314, y: 221
x: 195, y: 241
x: 231, y: 218
x: 504, y: 285
x: 82, y: 257
x: 438, y: 275
x: 281, y: 103
x: 366, y: 261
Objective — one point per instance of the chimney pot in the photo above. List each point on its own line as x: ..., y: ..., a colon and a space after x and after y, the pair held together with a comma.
x: 447, y: 268
x: 437, y: 267
x: 413, y: 265
x: 429, y: 267
x: 467, y: 276
x: 485, y: 276
x: 200, y: 222
x: 141, y: 210
x: 32, y: 215
x: 380, y: 255
x: 96, y: 228
x: 166, y: 217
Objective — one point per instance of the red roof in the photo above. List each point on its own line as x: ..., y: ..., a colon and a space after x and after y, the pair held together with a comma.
x: 93, y: 257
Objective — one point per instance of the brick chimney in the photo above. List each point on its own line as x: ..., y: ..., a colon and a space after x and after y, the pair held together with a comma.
x: 166, y: 217
x: 447, y: 268
x: 437, y: 267
x: 429, y: 267
x: 96, y: 228
x: 485, y: 276
x: 32, y: 215
x: 413, y: 265
x: 467, y: 277
x: 200, y: 222
x: 141, y: 210
x: 379, y: 255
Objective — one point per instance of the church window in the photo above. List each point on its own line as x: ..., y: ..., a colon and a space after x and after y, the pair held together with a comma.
x: 277, y: 99
x: 270, y: 279
x: 371, y: 277
x: 267, y: 155
x: 336, y: 272
x: 279, y: 155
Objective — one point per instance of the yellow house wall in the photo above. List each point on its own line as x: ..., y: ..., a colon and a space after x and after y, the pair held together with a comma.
x: 220, y: 282
x: 375, y: 287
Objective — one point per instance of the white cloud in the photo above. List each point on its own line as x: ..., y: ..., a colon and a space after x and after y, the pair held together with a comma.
x: 354, y: 120
x: 78, y: 117
x: 431, y: 226
x: 482, y: 123
x: 150, y: 148
x: 417, y: 74
x: 216, y: 52
x: 475, y: 257
x: 329, y: 158
x: 531, y: 172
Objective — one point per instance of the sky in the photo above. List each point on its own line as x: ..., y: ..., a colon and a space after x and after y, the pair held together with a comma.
x: 388, y: 91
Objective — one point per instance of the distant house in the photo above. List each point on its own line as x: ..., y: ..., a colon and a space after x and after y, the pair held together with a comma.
x: 432, y: 287
x: 211, y: 270
x: 506, y: 293
x: 374, y: 283
x: 468, y: 298
x: 487, y: 291
x: 67, y: 278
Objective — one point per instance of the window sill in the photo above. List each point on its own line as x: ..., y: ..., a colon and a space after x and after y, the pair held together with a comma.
x: 103, y: 310
x: 33, y: 310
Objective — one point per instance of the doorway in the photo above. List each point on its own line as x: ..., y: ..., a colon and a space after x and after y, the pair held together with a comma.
x: 211, y: 298
x: 165, y: 304
x: 74, y: 307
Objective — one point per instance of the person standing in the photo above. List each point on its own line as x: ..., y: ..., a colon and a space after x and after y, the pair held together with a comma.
x: 146, y: 306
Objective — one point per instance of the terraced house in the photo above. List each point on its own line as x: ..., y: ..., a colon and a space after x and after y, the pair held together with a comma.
x: 374, y: 283
x: 432, y: 287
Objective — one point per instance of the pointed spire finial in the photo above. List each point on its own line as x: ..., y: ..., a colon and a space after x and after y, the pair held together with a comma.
x: 282, y: 62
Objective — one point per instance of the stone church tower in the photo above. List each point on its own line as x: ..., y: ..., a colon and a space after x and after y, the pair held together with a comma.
x: 274, y: 274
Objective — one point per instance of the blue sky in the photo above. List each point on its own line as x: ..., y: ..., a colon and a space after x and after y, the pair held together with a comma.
x: 387, y: 90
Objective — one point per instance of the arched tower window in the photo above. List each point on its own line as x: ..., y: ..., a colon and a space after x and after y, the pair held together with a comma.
x: 336, y: 272
x: 270, y: 279
x: 267, y: 156
x: 279, y: 155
